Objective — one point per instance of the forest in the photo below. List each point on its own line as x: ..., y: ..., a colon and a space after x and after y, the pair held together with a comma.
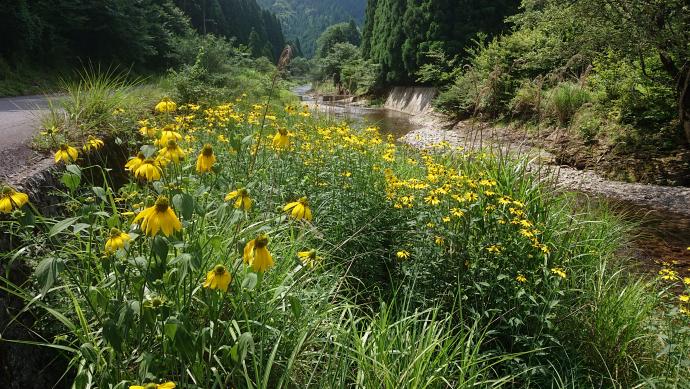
x: 304, y: 20
x: 41, y: 39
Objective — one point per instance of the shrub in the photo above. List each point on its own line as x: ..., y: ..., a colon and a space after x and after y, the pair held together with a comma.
x: 566, y: 99
x: 528, y: 100
x: 588, y: 123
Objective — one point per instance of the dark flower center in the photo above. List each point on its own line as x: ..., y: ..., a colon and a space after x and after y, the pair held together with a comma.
x: 162, y: 204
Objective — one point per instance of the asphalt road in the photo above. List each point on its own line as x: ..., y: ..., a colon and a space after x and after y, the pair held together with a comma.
x: 19, y: 122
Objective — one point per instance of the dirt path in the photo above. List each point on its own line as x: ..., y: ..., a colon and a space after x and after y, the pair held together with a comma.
x: 19, y: 122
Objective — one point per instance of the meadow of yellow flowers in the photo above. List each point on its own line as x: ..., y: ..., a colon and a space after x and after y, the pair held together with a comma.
x: 260, y: 246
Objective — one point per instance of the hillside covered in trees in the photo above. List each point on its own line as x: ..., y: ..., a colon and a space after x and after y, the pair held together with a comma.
x: 147, y: 35
x: 304, y: 20
x: 401, y: 35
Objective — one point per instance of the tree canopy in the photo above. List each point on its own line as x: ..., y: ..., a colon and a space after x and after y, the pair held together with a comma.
x: 398, y: 34
x: 338, y: 33
x: 306, y: 20
x: 146, y: 34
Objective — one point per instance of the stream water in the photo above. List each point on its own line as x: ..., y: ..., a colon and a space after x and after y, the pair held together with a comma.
x: 659, y: 234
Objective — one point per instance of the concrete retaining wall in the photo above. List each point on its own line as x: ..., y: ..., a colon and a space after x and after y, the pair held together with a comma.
x: 411, y: 100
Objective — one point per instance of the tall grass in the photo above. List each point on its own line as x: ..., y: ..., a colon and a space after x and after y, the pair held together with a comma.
x: 566, y: 99
x: 97, y: 102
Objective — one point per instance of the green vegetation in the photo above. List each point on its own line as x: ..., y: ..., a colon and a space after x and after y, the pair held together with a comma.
x: 340, y: 62
x: 249, y: 242
x: 402, y: 36
x: 411, y: 269
x: 305, y: 20
x: 242, y: 20
x: 615, y: 73
x: 42, y: 41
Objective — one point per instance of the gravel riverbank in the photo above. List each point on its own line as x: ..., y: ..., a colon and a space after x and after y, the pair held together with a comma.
x: 434, y: 128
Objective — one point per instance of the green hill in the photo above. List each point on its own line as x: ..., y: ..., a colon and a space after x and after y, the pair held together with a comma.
x: 305, y: 20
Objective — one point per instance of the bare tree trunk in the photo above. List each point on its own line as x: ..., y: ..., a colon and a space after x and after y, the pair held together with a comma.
x: 684, y: 100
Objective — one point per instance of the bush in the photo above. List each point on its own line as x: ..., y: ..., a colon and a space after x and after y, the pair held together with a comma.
x: 100, y: 103
x: 528, y: 100
x: 221, y: 72
x: 566, y: 99
x: 588, y: 123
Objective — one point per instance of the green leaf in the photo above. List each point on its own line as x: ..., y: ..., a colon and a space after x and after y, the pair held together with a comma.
x: 89, y: 353
x: 295, y: 306
x: 184, y: 204
x: 74, y: 169
x: 111, y: 333
x: 182, y: 340
x: 47, y: 272
x: 71, y: 181
x: 100, y: 193
x: 249, y: 282
x: 61, y: 226
x: 159, y: 187
x: 148, y: 150
x: 160, y: 247
x: 244, y: 344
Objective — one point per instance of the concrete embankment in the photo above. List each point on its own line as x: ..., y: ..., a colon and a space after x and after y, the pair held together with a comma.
x: 411, y: 100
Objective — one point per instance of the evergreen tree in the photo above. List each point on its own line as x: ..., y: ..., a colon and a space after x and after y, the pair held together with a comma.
x: 255, y: 46
x: 398, y: 34
x: 308, y: 19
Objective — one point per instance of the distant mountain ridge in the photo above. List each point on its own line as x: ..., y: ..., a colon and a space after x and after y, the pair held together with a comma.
x: 305, y: 20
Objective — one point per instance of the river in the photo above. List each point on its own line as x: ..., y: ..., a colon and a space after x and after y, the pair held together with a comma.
x: 661, y: 219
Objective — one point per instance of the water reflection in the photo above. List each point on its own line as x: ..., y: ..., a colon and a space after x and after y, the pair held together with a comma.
x: 388, y: 121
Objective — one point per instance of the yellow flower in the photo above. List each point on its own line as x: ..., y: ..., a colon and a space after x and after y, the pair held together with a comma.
x: 309, y: 258
x: 495, y: 249
x: 206, y: 159
x: 147, y: 131
x: 166, y: 105
x: 521, y: 278
x: 686, y: 281
x: 93, y: 144
x: 172, y: 152
x: 148, y: 170
x: 159, y: 217
x: 457, y: 212
x: 299, y: 209
x: 66, y: 154
x: 256, y: 254
x: 668, y: 274
x: 684, y: 298
x: 281, y: 139
x: 167, y: 385
x: 168, y: 134
x: 11, y: 199
x: 559, y: 272
x: 402, y: 254
x: 241, y: 197
x: 432, y: 199
x: 218, y: 278
x: 117, y: 240
x: 133, y: 164
x: 439, y: 240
